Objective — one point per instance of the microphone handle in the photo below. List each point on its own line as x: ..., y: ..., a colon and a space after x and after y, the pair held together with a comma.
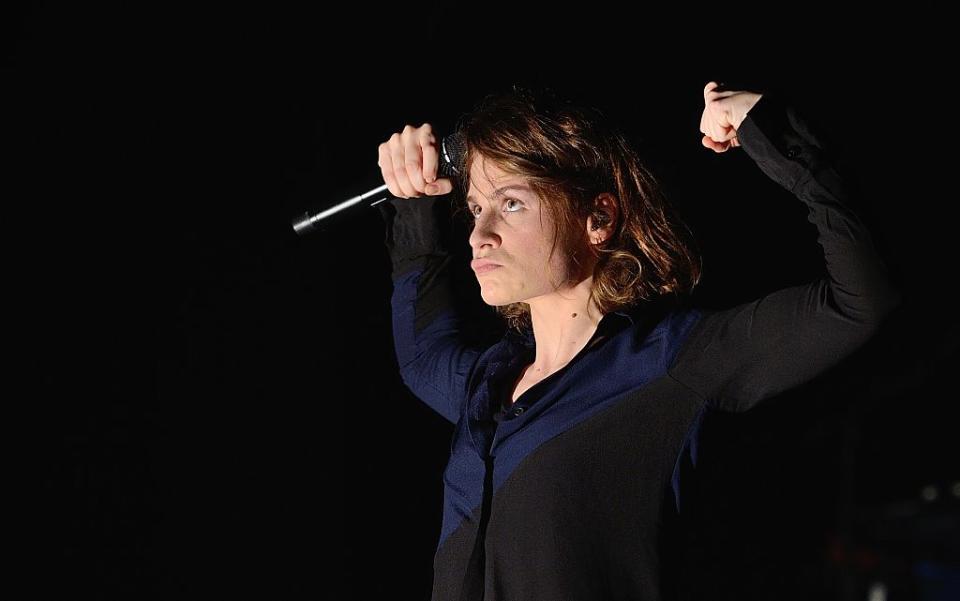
x: 451, y: 148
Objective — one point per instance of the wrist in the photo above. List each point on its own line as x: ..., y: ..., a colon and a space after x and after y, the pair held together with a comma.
x: 749, y: 100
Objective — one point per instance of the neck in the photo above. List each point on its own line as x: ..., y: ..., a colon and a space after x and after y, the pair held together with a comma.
x: 563, y: 322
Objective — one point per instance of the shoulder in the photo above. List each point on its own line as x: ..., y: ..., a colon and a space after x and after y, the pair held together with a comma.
x: 665, y: 323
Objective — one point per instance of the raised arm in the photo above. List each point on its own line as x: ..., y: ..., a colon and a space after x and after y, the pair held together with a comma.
x: 434, y: 362
x: 738, y: 357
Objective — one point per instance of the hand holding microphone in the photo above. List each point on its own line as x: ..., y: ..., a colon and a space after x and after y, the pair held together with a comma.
x: 412, y: 164
x: 409, y: 162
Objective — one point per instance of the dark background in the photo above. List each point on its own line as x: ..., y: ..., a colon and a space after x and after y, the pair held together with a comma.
x: 207, y: 405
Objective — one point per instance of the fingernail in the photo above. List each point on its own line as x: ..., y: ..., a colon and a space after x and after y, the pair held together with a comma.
x: 431, y: 188
x: 430, y: 178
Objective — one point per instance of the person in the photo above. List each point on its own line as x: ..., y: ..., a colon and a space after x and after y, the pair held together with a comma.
x: 574, y: 431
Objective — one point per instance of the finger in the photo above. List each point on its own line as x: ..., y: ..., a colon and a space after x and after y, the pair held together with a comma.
x: 442, y: 186
x: 735, y: 142
x: 726, y: 134
x: 713, y: 145
x: 717, y: 90
x: 715, y: 124
x: 431, y: 157
x: 718, y: 124
x: 715, y: 95
x: 413, y: 159
x: 399, y: 168
x: 386, y: 169
x: 708, y: 119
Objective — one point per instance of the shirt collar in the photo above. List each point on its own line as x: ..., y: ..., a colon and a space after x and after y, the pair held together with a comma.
x: 625, y: 316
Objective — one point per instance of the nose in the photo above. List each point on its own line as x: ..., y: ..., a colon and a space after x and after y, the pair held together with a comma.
x: 483, y: 234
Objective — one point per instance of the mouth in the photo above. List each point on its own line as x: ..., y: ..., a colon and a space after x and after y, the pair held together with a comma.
x: 486, y: 268
x: 483, y: 265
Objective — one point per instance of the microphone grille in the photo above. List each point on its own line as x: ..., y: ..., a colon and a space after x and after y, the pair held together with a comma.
x: 452, y: 148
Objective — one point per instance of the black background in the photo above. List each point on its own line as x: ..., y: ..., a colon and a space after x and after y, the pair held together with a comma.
x: 208, y: 406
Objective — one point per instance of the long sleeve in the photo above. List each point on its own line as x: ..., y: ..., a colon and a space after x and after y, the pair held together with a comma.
x: 740, y: 356
x: 434, y: 362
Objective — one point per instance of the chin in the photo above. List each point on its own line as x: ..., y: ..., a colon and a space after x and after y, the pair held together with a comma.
x: 492, y: 300
x: 495, y: 300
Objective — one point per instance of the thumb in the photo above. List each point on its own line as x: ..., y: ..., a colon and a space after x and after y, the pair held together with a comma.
x: 727, y: 133
x: 441, y: 186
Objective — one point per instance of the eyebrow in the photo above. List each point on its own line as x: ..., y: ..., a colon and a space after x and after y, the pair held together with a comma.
x: 501, y: 191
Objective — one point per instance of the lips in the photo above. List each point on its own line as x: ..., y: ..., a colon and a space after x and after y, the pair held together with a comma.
x: 483, y: 265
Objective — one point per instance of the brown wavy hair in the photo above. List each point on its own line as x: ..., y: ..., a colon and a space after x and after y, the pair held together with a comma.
x: 571, y: 154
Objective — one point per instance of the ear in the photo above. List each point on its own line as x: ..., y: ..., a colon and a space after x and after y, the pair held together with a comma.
x: 603, y: 218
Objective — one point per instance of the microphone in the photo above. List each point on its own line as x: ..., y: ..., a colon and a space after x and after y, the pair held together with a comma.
x: 451, y: 151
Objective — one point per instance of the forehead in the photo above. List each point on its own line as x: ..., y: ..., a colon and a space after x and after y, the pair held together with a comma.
x: 487, y: 175
x: 486, y: 178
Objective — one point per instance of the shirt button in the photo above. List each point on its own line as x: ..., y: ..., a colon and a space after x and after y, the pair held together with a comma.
x: 518, y: 411
x: 793, y: 152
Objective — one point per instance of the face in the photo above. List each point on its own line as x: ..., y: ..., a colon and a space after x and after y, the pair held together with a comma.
x: 513, y: 230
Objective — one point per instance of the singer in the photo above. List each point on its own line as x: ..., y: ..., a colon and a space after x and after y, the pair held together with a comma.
x: 573, y: 433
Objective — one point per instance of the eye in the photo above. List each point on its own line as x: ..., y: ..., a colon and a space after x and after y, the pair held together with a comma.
x: 474, y: 210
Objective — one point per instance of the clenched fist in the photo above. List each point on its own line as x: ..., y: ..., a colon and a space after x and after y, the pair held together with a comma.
x: 409, y: 161
x: 723, y: 113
